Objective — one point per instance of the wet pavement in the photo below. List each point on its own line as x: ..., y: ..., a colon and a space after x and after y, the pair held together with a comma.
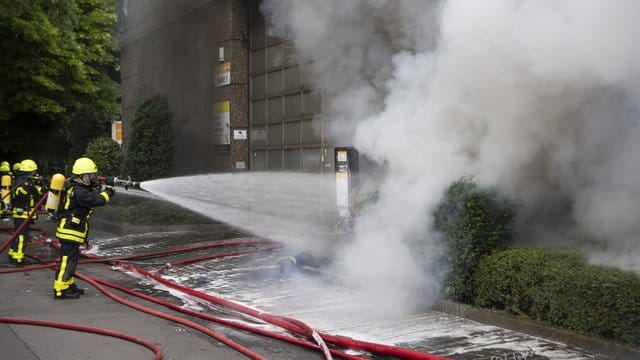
x: 318, y: 300
x: 254, y: 280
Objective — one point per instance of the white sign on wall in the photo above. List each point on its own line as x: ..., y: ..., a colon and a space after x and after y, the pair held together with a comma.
x: 240, y: 134
x: 223, y: 74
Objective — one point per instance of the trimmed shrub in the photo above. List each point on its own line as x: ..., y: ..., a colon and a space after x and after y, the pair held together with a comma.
x: 559, y: 287
x: 149, y: 212
x: 150, y: 148
x: 511, y: 279
x: 107, y: 155
x: 475, y: 223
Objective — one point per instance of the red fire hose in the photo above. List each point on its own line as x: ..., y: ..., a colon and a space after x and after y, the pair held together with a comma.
x: 205, y: 330
x: 229, y: 323
x: 292, y: 325
x: 289, y: 324
x: 60, y: 325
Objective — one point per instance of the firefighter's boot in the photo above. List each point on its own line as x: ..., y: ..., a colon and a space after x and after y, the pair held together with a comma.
x: 65, y: 294
x: 74, y: 288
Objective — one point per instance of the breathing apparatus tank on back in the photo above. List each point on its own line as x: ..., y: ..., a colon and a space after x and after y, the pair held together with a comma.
x: 6, y: 192
x: 55, y: 190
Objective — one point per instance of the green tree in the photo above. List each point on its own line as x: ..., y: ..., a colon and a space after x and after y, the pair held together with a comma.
x: 107, y: 155
x: 58, y: 63
x: 151, y: 145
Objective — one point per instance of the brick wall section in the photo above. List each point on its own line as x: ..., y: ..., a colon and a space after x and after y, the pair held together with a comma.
x: 233, y: 37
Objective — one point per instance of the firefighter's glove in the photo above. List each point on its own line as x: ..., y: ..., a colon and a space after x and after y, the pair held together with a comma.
x: 110, y: 190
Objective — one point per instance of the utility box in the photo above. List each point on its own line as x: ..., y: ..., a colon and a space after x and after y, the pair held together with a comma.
x: 346, y: 167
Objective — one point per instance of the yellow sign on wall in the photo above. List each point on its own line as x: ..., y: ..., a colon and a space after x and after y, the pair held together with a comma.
x: 222, y: 123
x: 116, y: 131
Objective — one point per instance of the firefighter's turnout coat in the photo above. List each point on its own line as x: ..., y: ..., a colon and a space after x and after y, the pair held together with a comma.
x: 78, y: 203
x: 77, y: 207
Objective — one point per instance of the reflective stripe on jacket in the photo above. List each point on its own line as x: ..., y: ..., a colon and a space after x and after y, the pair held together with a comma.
x: 77, y: 207
x: 24, y: 196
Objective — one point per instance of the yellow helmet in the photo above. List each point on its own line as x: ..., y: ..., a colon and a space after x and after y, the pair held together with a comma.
x: 16, y: 166
x: 84, y: 165
x: 4, y: 166
x: 28, y: 165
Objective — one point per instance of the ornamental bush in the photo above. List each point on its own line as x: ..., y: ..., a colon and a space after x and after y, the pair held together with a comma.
x: 107, y: 155
x: 559, y: 286
x: 150, y: 148
x: 475, y: 222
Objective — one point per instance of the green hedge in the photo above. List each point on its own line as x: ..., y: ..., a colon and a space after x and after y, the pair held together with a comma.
x: 558, y: 286
x: 475, y: 222
x: 149, y: 212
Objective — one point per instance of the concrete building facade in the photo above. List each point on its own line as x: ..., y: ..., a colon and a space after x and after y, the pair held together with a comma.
x: 240, y: 99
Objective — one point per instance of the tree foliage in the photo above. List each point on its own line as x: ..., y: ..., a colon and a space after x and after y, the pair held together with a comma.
x: 151, y: 145
x: 58, y: 64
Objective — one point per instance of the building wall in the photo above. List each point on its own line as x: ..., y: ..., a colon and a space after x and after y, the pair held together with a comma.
x: 233, y: 38
x: 171, y: 48
x: 285, y: 111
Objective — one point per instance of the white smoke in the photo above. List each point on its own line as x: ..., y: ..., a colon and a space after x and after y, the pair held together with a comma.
x: 539, y: 98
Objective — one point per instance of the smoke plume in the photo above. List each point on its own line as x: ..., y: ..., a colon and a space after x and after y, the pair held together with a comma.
x: 537, y: 98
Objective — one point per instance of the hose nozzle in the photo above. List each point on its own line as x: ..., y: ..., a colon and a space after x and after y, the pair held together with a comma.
x: 114, y: 181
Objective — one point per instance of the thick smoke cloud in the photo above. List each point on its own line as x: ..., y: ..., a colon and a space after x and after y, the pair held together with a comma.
x: 540, y: 99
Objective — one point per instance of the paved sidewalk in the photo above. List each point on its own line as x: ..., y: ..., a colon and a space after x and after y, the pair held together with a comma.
x: 29, y: 295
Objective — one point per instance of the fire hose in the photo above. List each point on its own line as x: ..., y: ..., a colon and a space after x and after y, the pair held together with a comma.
x: 60, y: 325
x: 292, y: 325
x: 221, y: 321
x: 205, y: 330
x: 287, y: 323
x: 250, y: 354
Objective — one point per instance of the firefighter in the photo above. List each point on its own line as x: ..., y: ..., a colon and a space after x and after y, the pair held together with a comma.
x: 26, y: 191
x: 80, y: 196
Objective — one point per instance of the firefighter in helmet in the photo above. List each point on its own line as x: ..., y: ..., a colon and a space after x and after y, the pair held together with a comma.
x: 81, y: 195
x: 24, y: 195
